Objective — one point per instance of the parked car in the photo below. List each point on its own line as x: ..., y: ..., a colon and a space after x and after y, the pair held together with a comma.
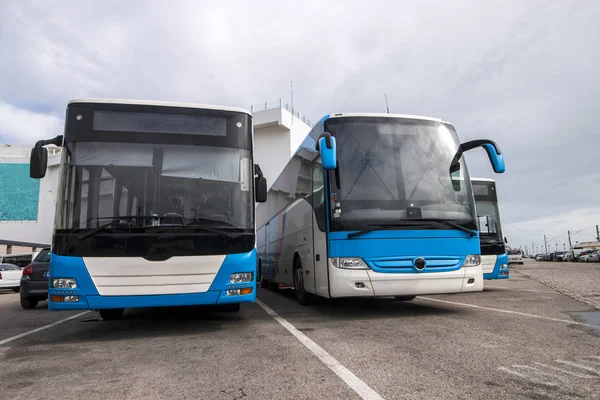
x: 583, y: 256
x: 594, y: 256
x: 34, y: 282
x: 515, y: 257
x: 10, y: 275
x: 561, y: 256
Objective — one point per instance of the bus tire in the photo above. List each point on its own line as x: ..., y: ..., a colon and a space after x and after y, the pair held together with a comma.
x: 263, y: 282
x: 303, y: 297
x: 404, y: 298
x: 111, y: 314
x: 231, y: 307
x: 29, y: 303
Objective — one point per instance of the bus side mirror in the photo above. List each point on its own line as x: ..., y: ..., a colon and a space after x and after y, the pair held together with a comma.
x: 492, y: 149
x: 505, y: 240
x: 260, y: 185
x: 326, y: 146
x: 38, y: 162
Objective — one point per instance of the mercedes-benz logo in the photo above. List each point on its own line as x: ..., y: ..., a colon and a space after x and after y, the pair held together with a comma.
x: 420, y: 263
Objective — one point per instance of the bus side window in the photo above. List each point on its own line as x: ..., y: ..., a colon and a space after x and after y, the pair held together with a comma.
x: 318, y: 195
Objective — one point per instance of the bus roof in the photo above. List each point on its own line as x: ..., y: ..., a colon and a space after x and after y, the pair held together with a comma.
x: 161, y: 103
x: 405, y: 116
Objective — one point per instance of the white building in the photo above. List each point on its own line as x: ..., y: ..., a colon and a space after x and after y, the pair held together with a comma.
x: 27, y: 206
x: 277, y: 135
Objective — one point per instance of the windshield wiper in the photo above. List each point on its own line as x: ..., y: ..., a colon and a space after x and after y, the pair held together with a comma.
x: 96, y: 230
x: 449, y: 223
x: 383, y: 227
x: 412, y: 222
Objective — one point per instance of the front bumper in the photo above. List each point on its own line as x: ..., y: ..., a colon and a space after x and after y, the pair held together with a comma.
x: 343, y: 283
x: 30, y: 288
x: 97, y: 302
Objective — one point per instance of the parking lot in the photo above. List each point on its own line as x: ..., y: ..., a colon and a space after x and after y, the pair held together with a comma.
x: 518, y: 339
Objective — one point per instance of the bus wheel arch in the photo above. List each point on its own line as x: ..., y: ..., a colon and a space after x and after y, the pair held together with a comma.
x: 303, y: 297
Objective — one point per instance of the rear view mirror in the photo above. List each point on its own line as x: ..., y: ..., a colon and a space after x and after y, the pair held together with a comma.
x: 38, y: 162
x: 505, y: 240
x: 260, y: 185
x: 492, y: 149
x: 326, y: 146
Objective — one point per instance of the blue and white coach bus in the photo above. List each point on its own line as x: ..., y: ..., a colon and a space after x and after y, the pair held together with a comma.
x: 494, y: 257
x: 374, y: 205
x: 155, y: 207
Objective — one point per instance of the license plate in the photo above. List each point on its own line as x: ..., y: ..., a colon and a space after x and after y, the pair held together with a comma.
x: 46, y: 274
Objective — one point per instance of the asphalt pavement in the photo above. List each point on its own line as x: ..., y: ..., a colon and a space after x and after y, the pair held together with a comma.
x: 519, y: 339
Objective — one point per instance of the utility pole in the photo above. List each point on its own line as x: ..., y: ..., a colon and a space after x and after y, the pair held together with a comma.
x: 545, y: 244
x: 597, y: 234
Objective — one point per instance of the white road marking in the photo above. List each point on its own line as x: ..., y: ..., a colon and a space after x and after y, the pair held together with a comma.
x: 19, y: 336
x: 564, y: 371
x: 526, y: 290
x: 566, y: 321
x: 360, y: 387
x: 523, y: 376
x: 578, y: 366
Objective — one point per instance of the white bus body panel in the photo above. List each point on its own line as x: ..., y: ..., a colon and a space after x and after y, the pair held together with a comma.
x: 488, y: 263
x: 135, y: 276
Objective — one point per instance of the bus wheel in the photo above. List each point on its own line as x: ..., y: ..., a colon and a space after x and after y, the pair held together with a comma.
x: 303, y: 297
x: 111, y: 314
x: 404, y: 298
x: 263, y: 282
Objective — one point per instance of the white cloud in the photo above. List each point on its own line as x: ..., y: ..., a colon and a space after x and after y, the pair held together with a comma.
x: 21, y: 126
x: 555, y: 227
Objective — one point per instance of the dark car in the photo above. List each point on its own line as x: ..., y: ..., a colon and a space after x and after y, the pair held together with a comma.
x: 34, y: 282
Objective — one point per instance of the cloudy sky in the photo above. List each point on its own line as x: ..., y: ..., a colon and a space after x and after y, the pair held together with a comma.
x: 523, y: 73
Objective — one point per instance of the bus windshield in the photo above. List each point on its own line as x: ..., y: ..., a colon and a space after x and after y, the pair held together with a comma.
x: 394, y: 169
x: 488, y: 216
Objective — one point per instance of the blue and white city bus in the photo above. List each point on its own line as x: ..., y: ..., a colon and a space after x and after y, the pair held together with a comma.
x: 494, y: 255
x: 374, y: 205
x: 155, y: 207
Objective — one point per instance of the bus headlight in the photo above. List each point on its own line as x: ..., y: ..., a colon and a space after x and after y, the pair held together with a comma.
x: 472, y: 260
x: 64, y: 283
x: 240, y: 277
x: 349, y: 263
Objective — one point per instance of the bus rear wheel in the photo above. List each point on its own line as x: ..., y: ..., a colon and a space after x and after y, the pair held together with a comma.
x: 303, y: 297
x: 404, y: 298
x: 111, y: 314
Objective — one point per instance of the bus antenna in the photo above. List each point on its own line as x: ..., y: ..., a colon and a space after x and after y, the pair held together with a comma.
x: 386, y: 103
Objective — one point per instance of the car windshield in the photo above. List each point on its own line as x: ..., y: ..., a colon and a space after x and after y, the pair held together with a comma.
x: 8, y: 267
x: 393, y: 169
x: 43, y: 256
x: 514, y: 252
